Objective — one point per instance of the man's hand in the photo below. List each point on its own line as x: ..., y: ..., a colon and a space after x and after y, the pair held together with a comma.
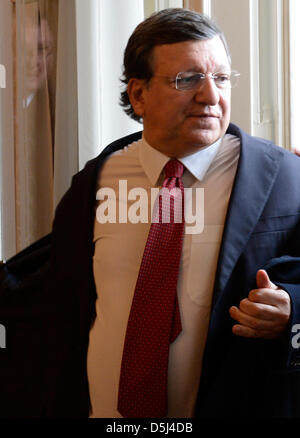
x: 265, y: 313
x: 297, y: 152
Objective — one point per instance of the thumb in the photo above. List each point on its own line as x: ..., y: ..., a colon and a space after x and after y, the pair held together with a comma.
x: 263, y: 281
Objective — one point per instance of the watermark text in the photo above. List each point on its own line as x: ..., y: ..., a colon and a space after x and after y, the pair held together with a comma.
x: 164, y: 206
x: 2, y: 336
x: 2, y: 76
x: 296, y: 337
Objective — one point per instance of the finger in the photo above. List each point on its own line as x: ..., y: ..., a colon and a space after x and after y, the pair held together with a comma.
x: 297, y: 152
x: 248, y: 332
x: 269, y: 297
x: 258, y: 310
x: 250, y: 321
x: 263, y: 280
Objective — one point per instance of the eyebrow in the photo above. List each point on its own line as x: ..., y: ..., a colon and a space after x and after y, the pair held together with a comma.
x: 219, y: 68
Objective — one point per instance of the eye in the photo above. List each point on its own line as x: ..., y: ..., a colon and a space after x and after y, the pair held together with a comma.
x: 186, y: 80
x: 222, y: 79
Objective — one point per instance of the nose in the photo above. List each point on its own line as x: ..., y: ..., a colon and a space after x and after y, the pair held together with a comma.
x: 208, y: 93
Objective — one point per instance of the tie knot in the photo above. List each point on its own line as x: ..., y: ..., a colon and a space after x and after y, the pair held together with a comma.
x: 174, y: 169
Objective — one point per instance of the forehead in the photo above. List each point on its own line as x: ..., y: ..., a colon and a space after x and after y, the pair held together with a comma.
x: 206, y: 55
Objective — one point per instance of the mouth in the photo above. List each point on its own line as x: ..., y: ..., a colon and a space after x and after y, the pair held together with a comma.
x: 205, y: 116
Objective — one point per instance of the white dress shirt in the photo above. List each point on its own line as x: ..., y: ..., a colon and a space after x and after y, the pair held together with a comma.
x: 118, y: 253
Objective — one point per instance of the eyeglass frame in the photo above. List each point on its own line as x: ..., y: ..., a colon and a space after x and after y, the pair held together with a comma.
x: 202, y: 77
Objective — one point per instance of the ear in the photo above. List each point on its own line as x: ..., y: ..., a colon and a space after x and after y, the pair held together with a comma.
x: 136, y: 92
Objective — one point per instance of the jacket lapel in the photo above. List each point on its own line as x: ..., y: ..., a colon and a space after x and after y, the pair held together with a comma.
x: 257, y: 170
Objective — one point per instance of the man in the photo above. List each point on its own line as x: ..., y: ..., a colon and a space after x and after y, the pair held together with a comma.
x: 238, y: 285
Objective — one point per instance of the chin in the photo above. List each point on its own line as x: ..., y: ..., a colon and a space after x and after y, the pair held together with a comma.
x: 203, y: 140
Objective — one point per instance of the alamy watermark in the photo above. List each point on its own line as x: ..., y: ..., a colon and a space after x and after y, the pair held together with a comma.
x: 2, y: 76
x: 2, y: 336
x: 114, y: 207
x: 296, y: 337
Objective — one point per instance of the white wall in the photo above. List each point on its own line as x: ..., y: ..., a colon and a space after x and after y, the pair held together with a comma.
x: 233, y: 17
x: 118, y: 20
x: 103, y: 28
x: 88, y: 78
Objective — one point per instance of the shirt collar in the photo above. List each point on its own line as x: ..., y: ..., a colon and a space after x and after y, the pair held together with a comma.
x: 154, y: 161
x: 199, y: 162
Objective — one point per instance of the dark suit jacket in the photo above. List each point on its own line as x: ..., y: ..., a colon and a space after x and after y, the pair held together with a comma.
x: 240, y: 377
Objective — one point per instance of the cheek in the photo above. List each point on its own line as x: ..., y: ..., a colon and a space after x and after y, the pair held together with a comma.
x: 226, y: 105
x: 178, y: 109
x: 168, y: 110
x: 225, y: 109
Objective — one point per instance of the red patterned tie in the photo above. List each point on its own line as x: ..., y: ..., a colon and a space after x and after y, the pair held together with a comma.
x: 154, y: 320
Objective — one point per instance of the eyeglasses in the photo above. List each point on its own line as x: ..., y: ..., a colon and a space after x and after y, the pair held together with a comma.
x: 192, y: 80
